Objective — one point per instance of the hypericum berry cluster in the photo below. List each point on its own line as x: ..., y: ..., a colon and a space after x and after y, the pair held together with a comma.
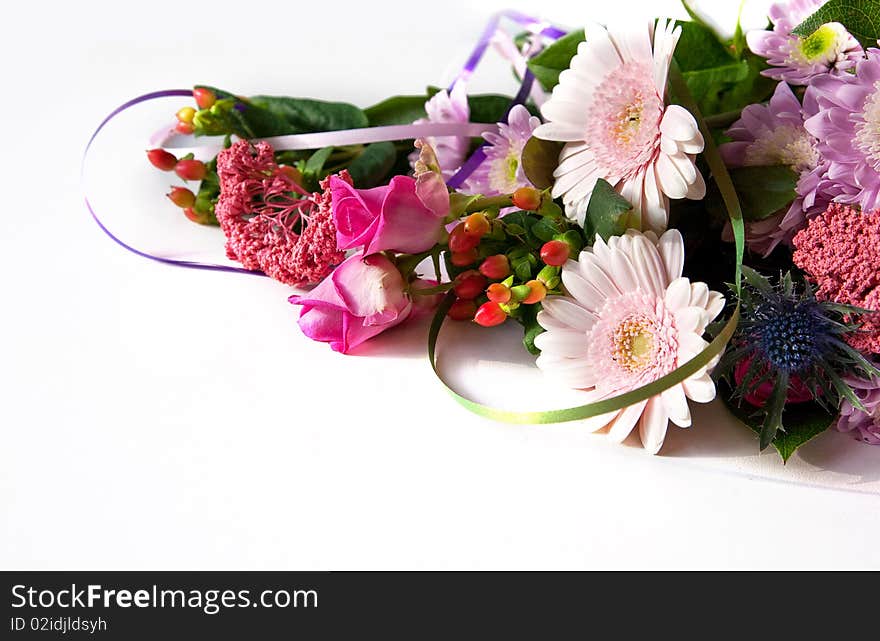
x: 187, y: 167
x: 505, y: 269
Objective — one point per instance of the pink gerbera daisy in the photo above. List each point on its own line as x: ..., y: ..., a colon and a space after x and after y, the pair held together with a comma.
x: 502, y: 171
x: 774, y: 134
x: 847, y: 125
x: 630, y: 318
x: 796, y: 60
x: 610, y: 109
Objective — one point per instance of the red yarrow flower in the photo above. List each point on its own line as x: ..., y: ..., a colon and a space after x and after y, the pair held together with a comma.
x: 840, y: 252
x: 271, y: 224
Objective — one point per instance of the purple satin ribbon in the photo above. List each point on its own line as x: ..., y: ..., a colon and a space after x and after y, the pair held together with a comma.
x: 456, y: 181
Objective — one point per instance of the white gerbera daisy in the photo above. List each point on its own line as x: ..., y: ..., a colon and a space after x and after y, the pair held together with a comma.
x: 629, y: 319
x: 610, y: 109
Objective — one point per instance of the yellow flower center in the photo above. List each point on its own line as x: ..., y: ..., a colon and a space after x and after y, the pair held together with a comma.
x: 633, y: 343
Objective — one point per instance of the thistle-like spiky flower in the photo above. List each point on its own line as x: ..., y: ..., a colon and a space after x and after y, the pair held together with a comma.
x: 788, y: 337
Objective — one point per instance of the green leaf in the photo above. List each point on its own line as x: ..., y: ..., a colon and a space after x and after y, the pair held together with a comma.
x: 608, y: 213
x: 529, y: 320
x: 719, y: 80
x: 860, y: 17
x: 397, y: 110
x: 763, y: 191
x: 539, y: 160
x: 316, y: 161
x: 488, y: 108
x: 803, y: 422
x: 372, y: 166
x: 280, y: 116
x: 555, y: 59
x: 206, y: 197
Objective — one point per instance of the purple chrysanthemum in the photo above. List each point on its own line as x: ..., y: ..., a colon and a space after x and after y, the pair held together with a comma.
x: 847, y: 125
x: 449, y: 107
x: 502, y: 171
x: 865, y: 424
x: 831, y: 48
x: 774, y: 134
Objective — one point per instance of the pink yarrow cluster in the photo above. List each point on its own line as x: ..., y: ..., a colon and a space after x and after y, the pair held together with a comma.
x: 271, y: 224
x: 840, y: 251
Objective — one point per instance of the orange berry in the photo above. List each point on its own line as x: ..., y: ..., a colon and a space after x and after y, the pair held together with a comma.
x: 527, y: 198
x: 204, y: 98
x: 184, y: 128
x: 476, y: 225
x: 498, y: 293
x: 537, y: 292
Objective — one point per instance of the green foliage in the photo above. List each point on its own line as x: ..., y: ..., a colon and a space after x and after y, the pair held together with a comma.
x: 397, y: 110
x: 555, y: 59
x: 860, y: 17
x: 608, y: 214
x: 539, y: 159
x: 718, y: 79
x: 265, y: 116
x: 804, y: 422
x: 762, y: 191
x: 209, y: 191
x: 529, y: 320
x: 373, y: 165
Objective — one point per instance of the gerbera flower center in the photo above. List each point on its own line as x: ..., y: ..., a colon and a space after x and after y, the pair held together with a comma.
x: 633, y: 343
x: 624, y: 120
x: 785, y: 145
x: 868, y: 130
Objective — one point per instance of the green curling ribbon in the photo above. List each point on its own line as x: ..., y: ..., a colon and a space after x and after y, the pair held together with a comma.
x: 679, y: 375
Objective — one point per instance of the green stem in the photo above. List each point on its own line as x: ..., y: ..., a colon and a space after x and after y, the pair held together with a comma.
x: 431, y: 291
x: 492, y: 202
x: 723, y: 121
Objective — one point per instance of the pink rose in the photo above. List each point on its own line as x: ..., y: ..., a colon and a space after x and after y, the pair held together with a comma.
x: 389, y: 218
x: 363, y: 297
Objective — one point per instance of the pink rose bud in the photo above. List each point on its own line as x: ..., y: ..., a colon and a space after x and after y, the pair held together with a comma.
x: 389, y: 218
x: 362, y: 298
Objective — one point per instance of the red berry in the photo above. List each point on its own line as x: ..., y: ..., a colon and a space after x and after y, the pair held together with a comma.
x: 184, y: 128
x: 469, y: 284
x: 161, y: 159
x: 190, y: 169
x: 462, y: 310
x: 495, y: 267
x: 476, y: 225
x: 537, y: 292
x: 205, y: 98
x: 182, y: 197
x: 463, y: 259
x: 489, y: 315
x: 460, y: 242
x: 498, y: 293
x: 527, y: 198
x: 555, y: 253
x: 186, y: 114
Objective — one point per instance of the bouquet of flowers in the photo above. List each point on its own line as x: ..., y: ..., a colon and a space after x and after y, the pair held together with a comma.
x: 669, y: 214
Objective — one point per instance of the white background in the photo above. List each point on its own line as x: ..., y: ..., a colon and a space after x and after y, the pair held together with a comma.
x: 155, y: 417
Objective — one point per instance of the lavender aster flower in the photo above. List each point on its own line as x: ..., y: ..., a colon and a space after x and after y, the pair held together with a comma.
x: 502, y: 171
x: 864, y: 423
x: 796, y: 60
x: 847, y: 126
x: 774, y: 134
